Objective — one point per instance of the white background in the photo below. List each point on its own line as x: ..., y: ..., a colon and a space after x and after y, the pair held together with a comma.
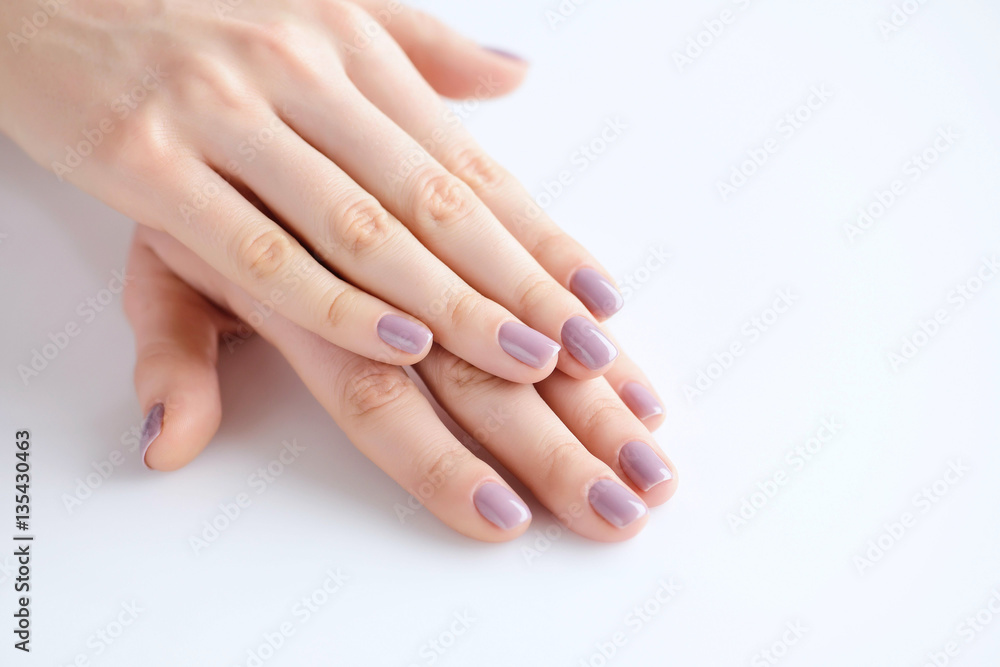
x: 535, y: 602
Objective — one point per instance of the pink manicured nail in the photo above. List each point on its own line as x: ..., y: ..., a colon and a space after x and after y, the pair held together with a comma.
x: 500, y: 506
x: 643, y: 466
x: 641, y: 401
x: 587, y: 343
x: 595, y: 291
x: 151, y: 427
x: 527, y: 345
x: 403, y: 334
x: 615, y: 503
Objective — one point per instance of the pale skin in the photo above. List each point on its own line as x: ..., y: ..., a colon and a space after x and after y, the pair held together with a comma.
x: 301, y: 149
x: 293, y: 157
x: 558, y: 437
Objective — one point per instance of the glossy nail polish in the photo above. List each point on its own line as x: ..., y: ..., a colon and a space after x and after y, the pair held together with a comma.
x: 404, y: 334
x: 527, y: 345
x: 595, y: 291
x: 505, y: 54
x: 151, y: 427
x: 641, y: 401
x: 587, y: 343
x: 500, y: 506
x: 643, y: 466
x: 615, y: 503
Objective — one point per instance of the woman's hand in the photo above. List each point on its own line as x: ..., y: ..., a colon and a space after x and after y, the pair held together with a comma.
x: 300, y: 149
x: 574, y: 443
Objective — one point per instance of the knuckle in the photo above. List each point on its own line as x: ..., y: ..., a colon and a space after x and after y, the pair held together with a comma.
x: 370, y: 388
x: 205, y: 79
x: 600, y: 413
x: 142, y: 151
x: 537, y: 291
x: 558, y: 458
x: 459, y: 376
x: 464, y: 309
x: 478, y: 169
x: 435, y: 466
x: 265, y: 255
x: 364, y: 227
x: 281, y: 41
x: 348, y: 17
x: 343, y: 304
x: 442, y: 201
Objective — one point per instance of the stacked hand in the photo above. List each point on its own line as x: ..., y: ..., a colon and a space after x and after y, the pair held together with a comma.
x: 292, y: 165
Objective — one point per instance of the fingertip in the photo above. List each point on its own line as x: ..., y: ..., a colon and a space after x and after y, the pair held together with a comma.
x: 177, y: 429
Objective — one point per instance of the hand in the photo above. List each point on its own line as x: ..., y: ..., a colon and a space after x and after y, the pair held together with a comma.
x: 574, y: 443
x: 300, y: 149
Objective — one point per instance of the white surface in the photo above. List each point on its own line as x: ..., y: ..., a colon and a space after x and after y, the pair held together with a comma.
x: 654, y: 187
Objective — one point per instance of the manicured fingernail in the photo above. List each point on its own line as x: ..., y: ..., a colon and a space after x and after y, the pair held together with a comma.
x: 404, y: 334
x: 151, y: 427
x: 500, y: 506
x: 527, y: 345
x: 615, y: 503
x: 505, y: 54
x: 597, y: 293
x: 585, y: 341
x: 643, y: 466
x: 641, y: 401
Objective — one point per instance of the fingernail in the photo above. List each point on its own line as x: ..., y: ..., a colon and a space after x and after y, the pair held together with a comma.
x: 500, y: 506
x: 151, y: 427
x: 404, y: 334
x: 615, y: 503
x: 643, y: 466
x: 587, y: 343
x: 505, y: 54
x: 599, y: 296
x: 641, y: 401
x: 527, y: 345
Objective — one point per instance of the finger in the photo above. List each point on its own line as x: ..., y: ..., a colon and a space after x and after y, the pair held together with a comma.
x: 604, y: 424
x: 384, y: 414
x: 453, y: 64
x: 251, y: 250
x: 395, y: 88
x: 176, y: 341
x: 350, y: 231
x: 445, y: 215
x: 636, y: 390
x: 516, y: 426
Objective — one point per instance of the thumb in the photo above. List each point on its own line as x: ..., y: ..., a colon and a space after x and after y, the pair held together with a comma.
x: 176, y: 341
x: 454, y: 65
